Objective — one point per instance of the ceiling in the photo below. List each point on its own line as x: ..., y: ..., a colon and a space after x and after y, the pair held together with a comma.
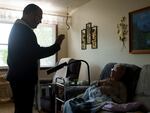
x: 48, y: 6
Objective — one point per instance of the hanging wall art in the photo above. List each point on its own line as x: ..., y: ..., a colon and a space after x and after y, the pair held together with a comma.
x: 139, y: 31
x: 83, y: 39
x: 94, y: 37
x: 89, y: 36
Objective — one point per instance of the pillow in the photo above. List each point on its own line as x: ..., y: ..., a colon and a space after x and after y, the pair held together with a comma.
x: 143, y: 86
x: 130, y: 80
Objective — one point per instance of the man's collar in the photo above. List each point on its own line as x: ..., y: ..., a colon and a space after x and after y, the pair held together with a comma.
x: 22, y: 22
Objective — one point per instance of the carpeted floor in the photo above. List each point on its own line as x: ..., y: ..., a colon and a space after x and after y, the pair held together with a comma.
x: 8, y: 107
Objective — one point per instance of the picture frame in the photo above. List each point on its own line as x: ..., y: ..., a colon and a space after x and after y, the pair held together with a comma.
x: 88, y: 34
x: 139, y: 31
x: 83, y: 39
x: 94, y: 38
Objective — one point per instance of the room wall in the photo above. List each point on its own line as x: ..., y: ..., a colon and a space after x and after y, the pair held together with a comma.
x: 106, y: 14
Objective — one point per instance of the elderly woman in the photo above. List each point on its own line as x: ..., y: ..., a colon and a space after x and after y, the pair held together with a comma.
x: 112, y: 86
x: 100, y: 93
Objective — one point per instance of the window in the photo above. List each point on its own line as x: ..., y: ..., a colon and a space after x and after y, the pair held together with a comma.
x: 45, y: 35
x: 4, y: 34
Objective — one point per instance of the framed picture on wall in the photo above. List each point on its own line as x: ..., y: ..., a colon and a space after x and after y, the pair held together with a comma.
x: 83, y: 39
x: 89, y: 34
x: 139, y: 31
x: 94, y: 38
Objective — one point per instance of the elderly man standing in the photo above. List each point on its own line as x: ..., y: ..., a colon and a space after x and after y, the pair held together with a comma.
x: 23, y: 55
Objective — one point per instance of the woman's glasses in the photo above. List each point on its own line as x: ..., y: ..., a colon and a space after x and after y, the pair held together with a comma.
x: 113, y: 69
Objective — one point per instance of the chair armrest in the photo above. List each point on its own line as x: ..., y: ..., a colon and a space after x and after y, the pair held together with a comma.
x: 73, y: 91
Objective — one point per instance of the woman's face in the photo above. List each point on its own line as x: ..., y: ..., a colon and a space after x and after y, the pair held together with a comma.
x: 117, y: 72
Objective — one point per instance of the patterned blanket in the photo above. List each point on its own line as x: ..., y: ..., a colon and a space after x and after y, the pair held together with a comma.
x: 93, y: 101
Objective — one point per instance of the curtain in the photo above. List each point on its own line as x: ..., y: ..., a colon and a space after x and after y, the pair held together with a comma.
x: 10, y: 15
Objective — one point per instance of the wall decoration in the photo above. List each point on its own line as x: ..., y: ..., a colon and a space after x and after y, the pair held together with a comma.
x: 67, y: 17
x: 139, y: 31
x: 83, y: 39
x: 89, y: 34
x: 94, y: 37
x: 122, y: 30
